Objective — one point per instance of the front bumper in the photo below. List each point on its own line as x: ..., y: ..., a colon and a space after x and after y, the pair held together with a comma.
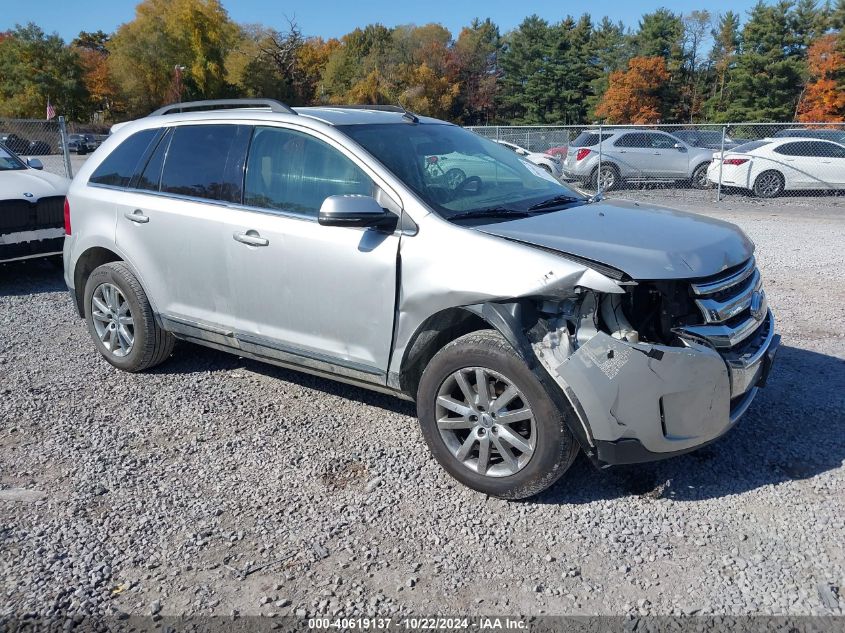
x: 642, y: 402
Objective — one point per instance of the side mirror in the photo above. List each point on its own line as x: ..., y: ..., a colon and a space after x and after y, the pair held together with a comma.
x: 34, y: 163
x: 680, y: 147
x: 522, y: 152
x: 355, y: 211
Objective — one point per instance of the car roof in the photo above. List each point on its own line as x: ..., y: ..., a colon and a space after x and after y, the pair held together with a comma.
x: 329, y: 115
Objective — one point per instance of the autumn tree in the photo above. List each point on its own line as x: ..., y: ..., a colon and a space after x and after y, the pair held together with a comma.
x: 35, y: 67
x: 634, y: 96
x: 196, y: 35
x: 824, y: 95
x: 474, y: 65
x: 92, y: 49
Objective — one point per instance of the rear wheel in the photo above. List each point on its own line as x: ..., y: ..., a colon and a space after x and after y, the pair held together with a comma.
x: 605, y: 178
x: 121, y: 322
x: 769, y: 184
x: 488, y: 420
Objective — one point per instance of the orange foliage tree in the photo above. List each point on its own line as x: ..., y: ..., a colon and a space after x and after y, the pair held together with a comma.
x: 824, y: 94
x: 633, y: 95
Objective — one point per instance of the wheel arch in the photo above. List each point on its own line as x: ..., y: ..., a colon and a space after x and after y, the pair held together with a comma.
x: 86, y: 263
x: 511, y: 319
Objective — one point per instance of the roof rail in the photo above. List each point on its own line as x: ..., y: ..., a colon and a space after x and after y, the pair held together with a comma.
x: 382, y: 108
x: 224, y: 104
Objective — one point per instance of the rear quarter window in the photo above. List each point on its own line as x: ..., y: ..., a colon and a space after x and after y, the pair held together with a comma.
x: 206, y: 161
x: 118, y: 167
x: 588, y: 139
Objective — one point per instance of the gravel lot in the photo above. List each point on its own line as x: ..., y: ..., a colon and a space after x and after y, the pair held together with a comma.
x: 215, y: 485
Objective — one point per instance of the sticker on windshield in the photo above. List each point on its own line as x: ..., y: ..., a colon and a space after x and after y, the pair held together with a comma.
x: 539, y: 171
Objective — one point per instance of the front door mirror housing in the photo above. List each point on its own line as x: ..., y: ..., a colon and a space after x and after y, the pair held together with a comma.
x: 34, y: 163
x: 356, y: 211
x: 680, y: 147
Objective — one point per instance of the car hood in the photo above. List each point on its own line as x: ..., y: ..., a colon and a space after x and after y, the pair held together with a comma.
x: 644, y: 241
x: 16, y: 183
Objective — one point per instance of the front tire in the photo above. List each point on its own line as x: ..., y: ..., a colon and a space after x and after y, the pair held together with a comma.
x: 489, y: 421
x: 699, y: 177
x: 121, y: 322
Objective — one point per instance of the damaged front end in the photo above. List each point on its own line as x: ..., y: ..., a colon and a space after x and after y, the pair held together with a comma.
x: 661, y: 369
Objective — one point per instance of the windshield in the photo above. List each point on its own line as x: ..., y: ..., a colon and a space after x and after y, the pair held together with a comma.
x: 9, y: 161
x: 458, y: 173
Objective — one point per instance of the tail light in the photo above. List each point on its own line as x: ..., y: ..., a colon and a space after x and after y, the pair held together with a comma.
x: 432, y: 160
x: 734, y: 161
x: 67, y: 217
x: 582, y: 154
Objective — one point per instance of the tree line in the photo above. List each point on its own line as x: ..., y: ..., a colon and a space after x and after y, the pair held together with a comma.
x: 785, y: 61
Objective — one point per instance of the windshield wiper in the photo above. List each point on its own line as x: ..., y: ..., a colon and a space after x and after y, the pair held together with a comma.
x: 490, y: 212
x: 554, y: 202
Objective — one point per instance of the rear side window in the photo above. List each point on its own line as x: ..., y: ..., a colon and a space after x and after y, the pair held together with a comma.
x: 205, y: 161
x: 798, y: 148
x: 635, y: 139
x: 119, y: 166
x: 291, y: 171
x: 588, y: 139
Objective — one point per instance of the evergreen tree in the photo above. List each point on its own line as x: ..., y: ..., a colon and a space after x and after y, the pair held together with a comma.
x: 524, y: 92
x: 609, y: 50
x: 765, y: 84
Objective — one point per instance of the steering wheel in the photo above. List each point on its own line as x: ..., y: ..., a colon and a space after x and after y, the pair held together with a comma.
x: 464, y: 183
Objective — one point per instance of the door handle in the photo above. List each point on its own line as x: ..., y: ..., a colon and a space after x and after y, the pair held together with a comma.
x: 137, y: 216
x: 251, y: 237
x: 657, y: 153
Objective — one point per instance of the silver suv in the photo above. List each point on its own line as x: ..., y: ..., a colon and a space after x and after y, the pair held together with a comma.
x: 636, y: 156
x: 527, y: 321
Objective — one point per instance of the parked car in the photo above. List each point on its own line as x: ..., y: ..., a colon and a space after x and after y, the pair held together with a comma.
x: 25, y: 147
x: 710, y: 139
x: 559, y: 151
x: 543, y: 160
x: 527, y: 321
x: 837, y: 135
x: 78, y: 144
x: 31, y: 209
x: 771, y: 166
x: 635, y: 156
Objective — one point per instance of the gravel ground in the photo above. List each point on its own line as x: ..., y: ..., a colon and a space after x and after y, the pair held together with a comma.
x: 215, y: 485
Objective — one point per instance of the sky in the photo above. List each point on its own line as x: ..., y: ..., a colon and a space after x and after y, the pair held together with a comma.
x: 333, y: 19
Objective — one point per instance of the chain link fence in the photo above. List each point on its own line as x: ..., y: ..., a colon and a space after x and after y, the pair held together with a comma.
x: 48, y: 145
x: 764, y: 160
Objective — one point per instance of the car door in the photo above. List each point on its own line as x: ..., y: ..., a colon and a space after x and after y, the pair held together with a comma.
x: 830, y: 165
x: 670, y: 155
x: 305, y: 293
x: 800, y: 165
x: 172, y: 227
x: 641, y: 156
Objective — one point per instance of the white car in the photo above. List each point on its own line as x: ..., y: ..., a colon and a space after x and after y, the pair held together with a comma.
x: 548, y: 162
x: 770, y: 166
x: 32, y: 209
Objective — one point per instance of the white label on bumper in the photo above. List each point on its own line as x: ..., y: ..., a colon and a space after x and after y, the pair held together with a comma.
x: 30, y: 236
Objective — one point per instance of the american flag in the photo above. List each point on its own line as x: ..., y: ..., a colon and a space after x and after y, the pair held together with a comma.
x: 51, y: 111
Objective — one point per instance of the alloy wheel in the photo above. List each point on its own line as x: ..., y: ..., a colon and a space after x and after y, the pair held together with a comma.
x: 767, y: 184
x: 112, y: 319
x: 607, y: 179
x: 486, y: 422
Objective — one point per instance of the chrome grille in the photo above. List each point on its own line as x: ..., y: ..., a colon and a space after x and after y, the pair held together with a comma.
x: 733, y: 307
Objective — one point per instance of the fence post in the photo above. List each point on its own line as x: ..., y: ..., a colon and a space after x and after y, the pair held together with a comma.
x: 721, y: 162
x: 65, y: 149
x: 598, y: 170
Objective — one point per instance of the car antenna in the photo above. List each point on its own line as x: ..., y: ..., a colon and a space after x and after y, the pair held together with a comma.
x: 407, y: 114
